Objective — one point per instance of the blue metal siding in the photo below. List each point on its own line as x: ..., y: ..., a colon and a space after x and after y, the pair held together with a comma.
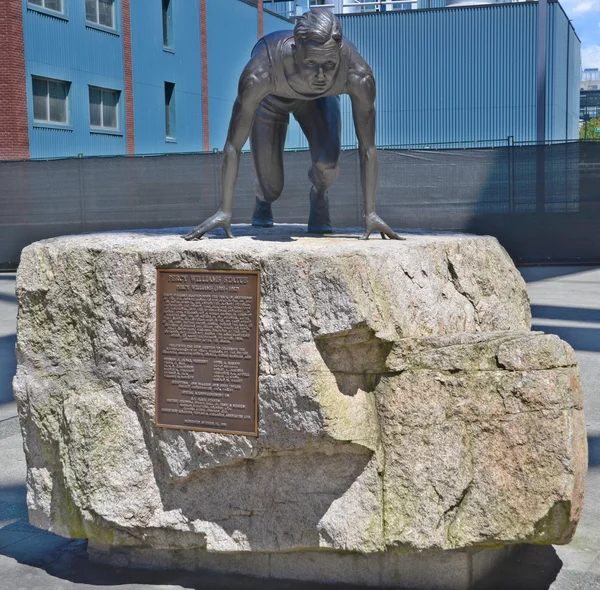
x: 456, y: 75
x: 450, y: 75
x: 562, y: 80
x: 153, y: 66
x: 556, y: 75
x: 66, y: 49
x: 232, y: 33
x: 573, y: 90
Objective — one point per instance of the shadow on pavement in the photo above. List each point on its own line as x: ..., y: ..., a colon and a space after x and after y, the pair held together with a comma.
x: 8, y: 298
x: 531, y: 567
x: 8, y: 367
x: 74, y: 566
x: 67, y: 559
x: 574, y: 314
x: 593, y: 451
x: 587, y: 339
x: 13, y: 495
x: 532, y: 274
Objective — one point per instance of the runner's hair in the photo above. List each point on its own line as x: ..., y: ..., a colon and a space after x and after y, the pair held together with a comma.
x: 318, y: 25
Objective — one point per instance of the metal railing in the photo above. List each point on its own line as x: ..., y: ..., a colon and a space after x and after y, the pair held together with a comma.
x: 354, y: 6
x: 288, y: 9
x: 294, y: 8
x: 376, y: 5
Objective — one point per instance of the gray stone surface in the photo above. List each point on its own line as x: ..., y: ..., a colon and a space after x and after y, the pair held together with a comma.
x: 427, y: 449
x: 428, y: 570
x: 562, y: 297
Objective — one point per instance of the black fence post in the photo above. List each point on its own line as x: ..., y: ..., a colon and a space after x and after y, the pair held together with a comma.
x: 540, y: 178
x: 82, y: 214
x: 511, y: 173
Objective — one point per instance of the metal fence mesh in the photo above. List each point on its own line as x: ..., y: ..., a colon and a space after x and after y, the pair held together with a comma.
x: 541, y: 201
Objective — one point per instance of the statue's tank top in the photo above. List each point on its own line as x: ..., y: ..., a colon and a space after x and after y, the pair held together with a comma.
x: 284, y: 99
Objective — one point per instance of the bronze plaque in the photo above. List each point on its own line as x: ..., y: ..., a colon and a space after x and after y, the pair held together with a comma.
x: 207, y: 350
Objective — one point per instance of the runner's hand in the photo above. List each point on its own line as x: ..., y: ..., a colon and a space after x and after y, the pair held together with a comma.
x: 374, y: 223
x: 219, y: 219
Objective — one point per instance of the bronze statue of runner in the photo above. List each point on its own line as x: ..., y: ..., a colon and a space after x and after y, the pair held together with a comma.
x: 302, y: 74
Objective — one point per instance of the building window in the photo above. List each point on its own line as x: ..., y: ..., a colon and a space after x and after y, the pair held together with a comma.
x: 104, y: 108
x: 50, y: 101
x: 100, y: 12
x: 55, y: 5
x: 167, y: 22
x: 170, y: 110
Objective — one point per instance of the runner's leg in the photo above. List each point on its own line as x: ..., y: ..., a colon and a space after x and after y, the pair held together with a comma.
x: 266, y: 142
x: 320, y: 121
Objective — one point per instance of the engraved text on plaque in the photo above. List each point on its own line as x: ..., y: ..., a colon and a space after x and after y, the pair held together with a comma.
x: 207, y: 350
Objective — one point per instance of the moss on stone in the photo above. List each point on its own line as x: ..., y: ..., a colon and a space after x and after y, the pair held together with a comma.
x: 348, y: 418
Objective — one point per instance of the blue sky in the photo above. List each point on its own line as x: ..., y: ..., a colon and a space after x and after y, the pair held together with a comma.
x: 585, y: 15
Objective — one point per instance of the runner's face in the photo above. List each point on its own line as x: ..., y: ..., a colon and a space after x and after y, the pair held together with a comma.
x: 318, y: 64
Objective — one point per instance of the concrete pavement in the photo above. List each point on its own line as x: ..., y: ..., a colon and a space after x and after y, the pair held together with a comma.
x: 565, y: 301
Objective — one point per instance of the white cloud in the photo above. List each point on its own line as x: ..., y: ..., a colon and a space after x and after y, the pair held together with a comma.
x: 590, y: 56
x: 583, y: 7
x: 573, y: 7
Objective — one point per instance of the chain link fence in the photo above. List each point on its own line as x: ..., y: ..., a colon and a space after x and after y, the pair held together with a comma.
x: 541, y: 201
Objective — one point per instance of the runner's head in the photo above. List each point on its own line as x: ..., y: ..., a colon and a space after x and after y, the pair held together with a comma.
x: 318, y: 38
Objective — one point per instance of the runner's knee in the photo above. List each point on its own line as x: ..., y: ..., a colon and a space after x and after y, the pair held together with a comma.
x: 269, y: 191
x: 324, y: 174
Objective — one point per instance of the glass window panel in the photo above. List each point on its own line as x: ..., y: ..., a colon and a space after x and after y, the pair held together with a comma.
x: 169, y: 109
x: 172, y: 117
x: 40, y: 100
x: 90, y: 11
x: 167, y: 20
x: 53, y: 5
x: 105, y: 12
x: 36, y: 2
x: 58, y: 102
x: 109, y: 109
x: 168, y: 120
x: 95, y: 107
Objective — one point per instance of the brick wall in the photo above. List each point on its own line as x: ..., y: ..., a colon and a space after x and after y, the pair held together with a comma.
x: 128, y: 77
x: 14, y: 130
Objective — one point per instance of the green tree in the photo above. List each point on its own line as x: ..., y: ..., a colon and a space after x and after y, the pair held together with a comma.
x: 592, y: 131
